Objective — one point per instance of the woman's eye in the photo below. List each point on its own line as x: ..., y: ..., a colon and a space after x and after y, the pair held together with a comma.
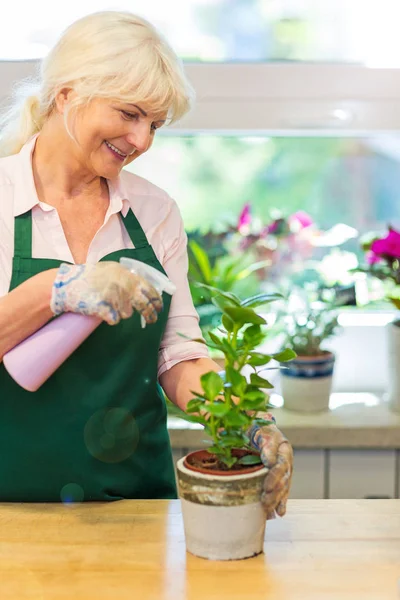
x: 128, y: 115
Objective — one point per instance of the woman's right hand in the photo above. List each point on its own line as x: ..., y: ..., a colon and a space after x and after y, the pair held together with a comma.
x: 106, y: 290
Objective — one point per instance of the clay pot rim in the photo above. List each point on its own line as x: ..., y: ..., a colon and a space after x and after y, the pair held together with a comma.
x: 245, y: 471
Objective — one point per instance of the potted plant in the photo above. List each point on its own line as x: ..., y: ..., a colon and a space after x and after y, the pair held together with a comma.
x: 227, y: 273
x: 306, y: 383
x: 383, y: 262
x: 222, y: 271
x: 220, y: 487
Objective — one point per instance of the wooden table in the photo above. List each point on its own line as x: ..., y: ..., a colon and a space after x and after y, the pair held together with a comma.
x: 322, y: 549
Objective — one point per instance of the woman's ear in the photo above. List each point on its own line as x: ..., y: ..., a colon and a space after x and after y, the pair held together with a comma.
x: 63, y: 99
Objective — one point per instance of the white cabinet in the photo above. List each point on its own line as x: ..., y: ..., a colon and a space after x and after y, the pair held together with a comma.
x: 362, y: 473
x: 308, y: 474
x: 341, y: 473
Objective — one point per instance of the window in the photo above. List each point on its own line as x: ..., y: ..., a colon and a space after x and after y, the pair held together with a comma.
x: 352, y: 180
x: 228, y: 30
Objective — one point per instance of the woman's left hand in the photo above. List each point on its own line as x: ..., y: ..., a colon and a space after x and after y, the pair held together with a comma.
x: 277, y: 455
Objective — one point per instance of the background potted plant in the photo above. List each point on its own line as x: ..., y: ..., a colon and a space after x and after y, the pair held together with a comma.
x: 211, y: 266
x: 220, y: 487
x: 306, y: 383
x: 383, y: 262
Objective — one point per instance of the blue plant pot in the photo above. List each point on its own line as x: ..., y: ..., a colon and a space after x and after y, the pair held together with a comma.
x: 307, y: 383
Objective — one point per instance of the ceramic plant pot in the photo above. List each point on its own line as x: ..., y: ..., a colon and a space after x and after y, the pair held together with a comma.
x: 306, y: 384
x: 393, y: 342
x: 222, y: 513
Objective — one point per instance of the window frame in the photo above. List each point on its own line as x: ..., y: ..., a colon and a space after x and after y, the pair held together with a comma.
x: 275, y: 99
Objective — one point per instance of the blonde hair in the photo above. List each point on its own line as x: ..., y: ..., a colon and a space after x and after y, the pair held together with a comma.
x: 107, y: 54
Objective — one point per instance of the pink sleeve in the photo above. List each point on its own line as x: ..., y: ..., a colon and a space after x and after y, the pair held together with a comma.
x: 183, y: 317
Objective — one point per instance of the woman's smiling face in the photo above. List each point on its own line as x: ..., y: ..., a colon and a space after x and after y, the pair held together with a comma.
x: 111, y: 134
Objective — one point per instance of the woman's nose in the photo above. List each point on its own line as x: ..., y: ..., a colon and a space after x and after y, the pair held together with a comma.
x: 140, y: 137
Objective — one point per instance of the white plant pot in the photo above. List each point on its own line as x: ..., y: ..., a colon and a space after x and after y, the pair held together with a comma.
x: 222, y: 514
x: 393, y: 340
x: 307, y: 383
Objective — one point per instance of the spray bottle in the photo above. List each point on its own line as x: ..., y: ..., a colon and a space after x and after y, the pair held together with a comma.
x: 36, y: 358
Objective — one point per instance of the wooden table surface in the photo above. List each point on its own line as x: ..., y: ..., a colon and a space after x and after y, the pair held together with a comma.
x: 322, y: 549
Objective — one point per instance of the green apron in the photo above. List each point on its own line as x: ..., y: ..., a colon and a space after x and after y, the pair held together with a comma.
x: 96, y: 430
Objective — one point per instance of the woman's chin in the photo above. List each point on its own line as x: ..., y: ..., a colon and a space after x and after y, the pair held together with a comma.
x: 109, y: 171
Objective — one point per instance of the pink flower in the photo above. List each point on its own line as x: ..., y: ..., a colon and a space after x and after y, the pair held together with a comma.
x: 273, y: 227
x: 300, y: 220
x: 244, y: 219
x: 372, y: 258
x: 388, y: 246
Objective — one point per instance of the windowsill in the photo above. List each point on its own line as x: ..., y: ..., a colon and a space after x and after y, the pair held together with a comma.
x: 355, y: 420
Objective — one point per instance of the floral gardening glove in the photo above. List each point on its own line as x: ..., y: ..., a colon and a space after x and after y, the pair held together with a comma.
x: 277, y: 455
x: 106, y: 290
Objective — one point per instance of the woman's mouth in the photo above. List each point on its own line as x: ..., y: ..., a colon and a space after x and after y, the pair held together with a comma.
x: 115, y: 151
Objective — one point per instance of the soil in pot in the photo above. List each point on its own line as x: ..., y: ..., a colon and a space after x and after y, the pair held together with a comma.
x: 208, y: 463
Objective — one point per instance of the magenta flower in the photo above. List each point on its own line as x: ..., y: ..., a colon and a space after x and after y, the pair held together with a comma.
x: 387, y: 246
x: 300, y: 220
x: 244, y: 219
x: 273, y: 227
x: 372, y: 258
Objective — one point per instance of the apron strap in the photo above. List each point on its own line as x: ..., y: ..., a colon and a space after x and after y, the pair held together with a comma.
x: 23, y: 233
x: 136, y: 233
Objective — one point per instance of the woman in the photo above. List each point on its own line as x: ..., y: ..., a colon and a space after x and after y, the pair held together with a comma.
x: 96, y: 430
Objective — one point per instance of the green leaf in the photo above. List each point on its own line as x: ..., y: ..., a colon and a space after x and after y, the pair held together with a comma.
x: 217, y: 341
x: 394, y: 296
x: 254, y: 335
x: 260, y: 404
x: 202, y: 260
x: 238, y: 381
x: 258, y: 358
x: 395, y: 301
x: 227, y: 323
x: 250, y: 459
x: 198, y: 340
x: 212, y: 384
x: 195, y: 419
x: 227, y: 295
x: 194, y: 405
x: 223, y: 345
x: 260, y: 299
x: 229, y: 350
x: 251, y: 268
x: 229, y: 461
x: 254, y: 394
x: 218, y: 409
x: 285, y: 355
x: 232, y: 441
x: 197, y: 395
x: 260, y: 381
x: 235, y: 419
x: 220, y: 302
x: 241, y: 316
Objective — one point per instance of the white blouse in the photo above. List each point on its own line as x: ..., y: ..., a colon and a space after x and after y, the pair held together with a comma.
x: 156, y: 212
